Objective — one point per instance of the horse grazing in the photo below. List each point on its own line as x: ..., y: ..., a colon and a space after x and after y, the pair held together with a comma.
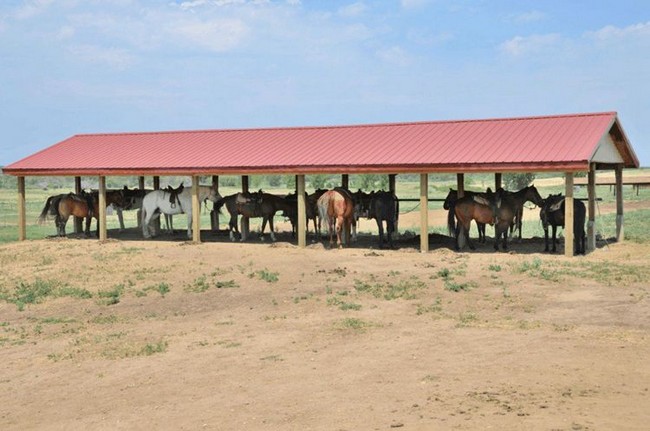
x: 337, y: 208
x: 384, y: 206
x: 84, y: 205
x: 251, y: 205
x: 158, y: 201
x: 552, y: 213
x: 450, y: 202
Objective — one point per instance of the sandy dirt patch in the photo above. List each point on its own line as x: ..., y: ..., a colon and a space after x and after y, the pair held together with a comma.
x: 230, y: 336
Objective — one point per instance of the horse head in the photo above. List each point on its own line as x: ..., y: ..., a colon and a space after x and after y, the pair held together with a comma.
x: 533, y: 195
x: 452, y: 197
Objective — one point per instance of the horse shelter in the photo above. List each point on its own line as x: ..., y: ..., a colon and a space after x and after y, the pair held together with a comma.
x: 557, y: 143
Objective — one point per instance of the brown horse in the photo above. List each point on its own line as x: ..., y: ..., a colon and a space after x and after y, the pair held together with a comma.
x: 311, y: 210
x: 84, y: 205
x: 337, y: 208
x: 500, y: 212
x: 250, y: 205
x: 450, y: 202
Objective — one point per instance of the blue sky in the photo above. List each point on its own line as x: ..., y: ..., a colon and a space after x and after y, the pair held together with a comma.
x: 86, y: 66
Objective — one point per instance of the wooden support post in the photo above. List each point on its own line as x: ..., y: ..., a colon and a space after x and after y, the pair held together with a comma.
x: 214, y: 215
x: 156, y: 223
x: 22, y: 225
x: 497, y: 181
x: 245, y: 223
x: 101, y: 222
x: 460, y: 185
x: 591, y: 208
x: 620, y: 234
x: 568, y: 215
x: 345, y: 181
x: 78, y: 221
x: 196, y: 210
x: 302, y: 211
x: 141, y: 183
x: 391, y: 189
x: 424, y: 213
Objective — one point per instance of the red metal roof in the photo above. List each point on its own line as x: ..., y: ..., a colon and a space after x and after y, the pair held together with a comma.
x: 559, y: 143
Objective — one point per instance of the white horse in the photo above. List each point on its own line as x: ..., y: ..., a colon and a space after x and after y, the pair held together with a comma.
x: 157, y: 202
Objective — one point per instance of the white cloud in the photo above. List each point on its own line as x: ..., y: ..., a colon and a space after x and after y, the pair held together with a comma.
x: 115, y: 58
x: 65, y: 32
x: 394, y: 55
x: 32, y: 8
x: 412, y: 4
x: 217, y: 35
x: 352, y: 10
x: 520, y: 45
x: 527, y: 17
x: 611, y: 32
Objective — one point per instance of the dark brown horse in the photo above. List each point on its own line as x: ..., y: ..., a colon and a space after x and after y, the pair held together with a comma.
x: 384, y: 206
x: 311, y: 210
x: 552, y: 213
x: 84, y: 205
x: 336, y: 207
x: 251, y: 205
x: 500, y: 211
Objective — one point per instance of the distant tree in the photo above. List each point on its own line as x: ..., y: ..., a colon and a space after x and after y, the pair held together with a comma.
x: 518, y: 181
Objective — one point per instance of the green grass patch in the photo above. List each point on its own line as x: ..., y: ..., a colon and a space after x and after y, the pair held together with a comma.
x: 38, y: 291
x: 265, y: 275
x: 110, y: 296
x: 405, y: 289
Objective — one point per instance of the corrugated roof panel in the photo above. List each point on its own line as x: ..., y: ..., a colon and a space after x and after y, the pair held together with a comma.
x: 528, y: 143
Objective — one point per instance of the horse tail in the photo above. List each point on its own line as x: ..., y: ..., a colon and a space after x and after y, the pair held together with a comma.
x: 51, y: 208
x: 451, y: 219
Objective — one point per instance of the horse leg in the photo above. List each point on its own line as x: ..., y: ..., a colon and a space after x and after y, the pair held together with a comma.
x: 380, y: 228
x: 272, y: 228
x: 340, y: 226
x: 505, y: 241
x: 120, y: 218
x: 60, y: 225
x: 390, y: 229
x: 232, y: 227
x: 87, y: 231
x: 554, y: 233
x: 189, y: 224
x: 497, y: 236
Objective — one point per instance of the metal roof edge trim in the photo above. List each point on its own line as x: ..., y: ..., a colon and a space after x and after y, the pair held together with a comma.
x: 307, y: 170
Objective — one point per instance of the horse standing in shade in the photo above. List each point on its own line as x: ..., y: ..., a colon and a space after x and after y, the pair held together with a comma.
x: 384, y: 206
x: 337, y: 208
x: 552, y: 213
x: 311, y: 210
x: 450, y: 202
x: 158, y: 201
x: 251, y: 205
x: 84, y: 205
x: 500, y: 212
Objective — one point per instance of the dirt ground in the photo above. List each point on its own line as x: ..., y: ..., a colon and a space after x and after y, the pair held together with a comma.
x: 258, y: 336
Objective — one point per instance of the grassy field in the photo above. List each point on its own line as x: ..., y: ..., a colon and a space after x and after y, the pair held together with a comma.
x: 438, y: 189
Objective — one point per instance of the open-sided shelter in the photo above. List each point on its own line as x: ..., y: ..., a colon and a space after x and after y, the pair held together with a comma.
x: 558, y: 143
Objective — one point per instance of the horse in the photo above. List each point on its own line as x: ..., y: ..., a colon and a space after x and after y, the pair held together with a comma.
x: 552, y: 213
x: 133, y: 201
x: 499, y: 210
x: 311, y: 211
x: 158, y: 201
x: 384, y: 206
x: 84, y: 205
x: 251, y: 205
x: 337, y: 208
x: 450, y: 202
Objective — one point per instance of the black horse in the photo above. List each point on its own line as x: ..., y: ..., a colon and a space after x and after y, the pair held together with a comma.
x: 384, y: 206
x: 552, y: 213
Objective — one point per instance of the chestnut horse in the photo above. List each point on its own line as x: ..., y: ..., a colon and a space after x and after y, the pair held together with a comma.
x: 337, y: 208
x: 500, y: 212
x: 84, y: 205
